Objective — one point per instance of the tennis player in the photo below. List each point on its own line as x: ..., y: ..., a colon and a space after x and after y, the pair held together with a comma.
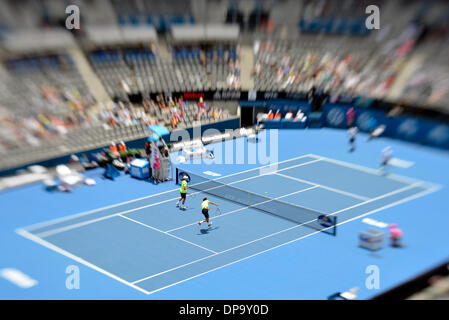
x: 352, y: 133
x: 205, y: 211
x: 387, y: 153
x: 183, y: 192
x: 395, y: 235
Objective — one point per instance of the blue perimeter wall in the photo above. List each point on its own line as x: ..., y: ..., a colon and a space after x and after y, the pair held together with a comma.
x: 409, y: 128
x: 132, y: 144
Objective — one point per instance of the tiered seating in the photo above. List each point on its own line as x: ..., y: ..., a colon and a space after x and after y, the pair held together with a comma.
x: 189, y: 114
x: 331, y: 17
x: 113, y: 71
x: 41, y: 97
x: 141, y: 71
x: 212, y: 68
x: 428, y: 85
x: 159, y: 13
x: 344, y: 67
x: 32, y: 78
x: 53, y: 70
x: 74, y: 141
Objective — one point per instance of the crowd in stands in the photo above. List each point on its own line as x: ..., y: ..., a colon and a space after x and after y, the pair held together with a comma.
x: 349, y: 67
x: 22, y: 129
x: 145, y: 71
x: 41, y: 98
x: 45, y: 97
x: 298, y: 117
x: 219, y: 64
x: 178, y: 111
x: 32, y: 130
x: 428, y: 84
x: 122, y: 114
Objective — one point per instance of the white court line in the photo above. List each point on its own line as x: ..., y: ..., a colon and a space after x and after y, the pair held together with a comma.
x: 168, y: 234
x: 74, y: 216
x: 50, y: 246
x: 32, y: 237
x: 267, y: 165
x: 417, y: 195
x: 296, y: 226
x: 246, y: 207
x: 420, y: 194
x: 249, y: 178
x: 353, y: 195
x: 417, y: 184
x: 70, y: 217
x: 84, y: 223
x: 36, y: 239
x: 226, y: 250
x: 361, y: 168
x: 372, y: 171
x: 291, y: 167
x: 296, y: 165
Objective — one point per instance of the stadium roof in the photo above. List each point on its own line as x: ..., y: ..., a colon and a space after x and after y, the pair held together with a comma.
x: 208, y: 32
x: 222, y: 32
x: 104, y: 35
x: 41, y: 39
x: 140, y: 33
x: 110, y: 35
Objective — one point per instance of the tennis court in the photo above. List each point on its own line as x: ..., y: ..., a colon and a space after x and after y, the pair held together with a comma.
x: 151, y: 245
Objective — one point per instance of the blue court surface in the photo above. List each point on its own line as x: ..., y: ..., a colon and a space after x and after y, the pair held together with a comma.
x: 130, y: 241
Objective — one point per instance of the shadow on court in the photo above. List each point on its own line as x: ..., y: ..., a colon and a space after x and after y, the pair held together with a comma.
x: 206, y: 231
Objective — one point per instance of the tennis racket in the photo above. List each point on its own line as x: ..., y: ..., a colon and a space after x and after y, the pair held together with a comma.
x: 217, y: 211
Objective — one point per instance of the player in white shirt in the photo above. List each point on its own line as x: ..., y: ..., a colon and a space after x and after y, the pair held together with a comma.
x: 352, y: 132
x: 387, y: 153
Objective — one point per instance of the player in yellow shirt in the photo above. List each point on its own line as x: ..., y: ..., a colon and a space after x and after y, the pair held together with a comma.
x: 205, y: 211
x: 183, y: 192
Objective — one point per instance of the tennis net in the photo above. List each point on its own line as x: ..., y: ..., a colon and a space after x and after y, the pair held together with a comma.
x: 301, y: 215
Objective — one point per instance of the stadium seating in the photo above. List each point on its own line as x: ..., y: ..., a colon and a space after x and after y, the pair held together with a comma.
x: 46, y: 106
x: 142, y: 71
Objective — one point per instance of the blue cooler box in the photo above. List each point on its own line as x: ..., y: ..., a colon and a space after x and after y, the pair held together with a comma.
x: 140, y: 168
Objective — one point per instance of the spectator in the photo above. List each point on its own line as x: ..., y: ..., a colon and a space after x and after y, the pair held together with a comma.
x: 160, y: 145
x: 278, y: 115
x: 113, y: 149
x: 350, y: 117
x: 156, y: 170
x: 174, y: 122
x: 148, y: 146
x: 395, y: 235
x: 121, y: 147
x: 201, y: 107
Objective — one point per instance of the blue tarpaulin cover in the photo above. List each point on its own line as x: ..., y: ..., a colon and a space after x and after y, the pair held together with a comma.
x: 159, y: 131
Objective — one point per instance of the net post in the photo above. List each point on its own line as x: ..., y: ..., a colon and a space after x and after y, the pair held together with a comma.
x: 177, y: 175
x: 335, y: 227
